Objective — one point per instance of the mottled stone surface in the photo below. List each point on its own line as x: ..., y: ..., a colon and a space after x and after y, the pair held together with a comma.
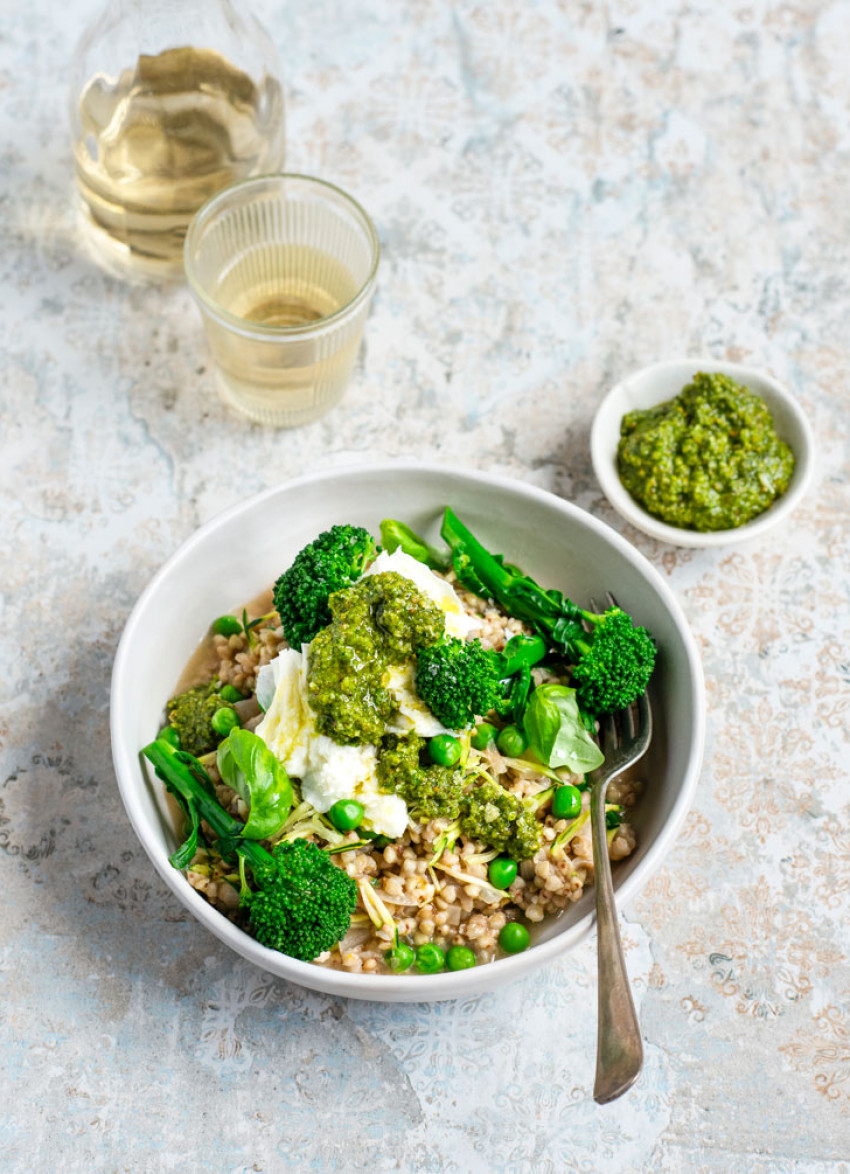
x: 564, y: 192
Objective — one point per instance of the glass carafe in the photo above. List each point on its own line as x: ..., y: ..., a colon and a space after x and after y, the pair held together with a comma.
x: 170, y: 102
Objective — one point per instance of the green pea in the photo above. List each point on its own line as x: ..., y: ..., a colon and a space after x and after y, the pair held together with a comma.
x: 230, y: 693
x: 346, y: 814
x: 170, y: 735
x: 512, y: 742
x: 566, y: 802
x: 613, y: 819
x: 484, y: 735
x: 400, y: 957
x: 514, y: 937
x: 444, y: 750
x: 502, y: 872
x: 460, y: 958
x: 429, y: 958
x: 225, y: 720
x: 227, y: 626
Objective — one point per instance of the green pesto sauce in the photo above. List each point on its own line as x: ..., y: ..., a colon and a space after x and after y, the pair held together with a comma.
x: 500, y: 819
x: 190, y: 714
x: 379, y: 622
x: 709, y: 459
x: 429, y: 790
x: 486, y: 811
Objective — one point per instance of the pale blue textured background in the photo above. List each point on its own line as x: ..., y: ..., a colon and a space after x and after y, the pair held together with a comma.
x: 564, y: 192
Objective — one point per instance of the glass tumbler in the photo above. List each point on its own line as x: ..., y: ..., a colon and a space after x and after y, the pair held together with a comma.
x: 169, y: 104
x: 283, y: 269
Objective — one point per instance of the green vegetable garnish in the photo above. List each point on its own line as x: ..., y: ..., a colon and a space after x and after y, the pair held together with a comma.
x: 302, y: 903
x: 445, y: 750
x: 556, y: 731
x: 460, y: 680
x: 460, y: 958
x: 334, y: 560
x: 484, y: 735
x: 346, y: 814
x: 227, y: 626
x: 191, y: 715
x: 502, y: 872
x: 224, y: 720
x: 514, y: 937
x: 247, y: 765
x: 399, y: 536
x: 566, y: 802
x: 429, y: 958
x: 512, y: 742
x: 399, y: 957
x: 170, y: 735
x: 612, y: 663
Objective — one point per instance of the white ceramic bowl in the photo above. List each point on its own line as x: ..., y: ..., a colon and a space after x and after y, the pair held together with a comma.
x: 663, y: 381
x: 233, y: 557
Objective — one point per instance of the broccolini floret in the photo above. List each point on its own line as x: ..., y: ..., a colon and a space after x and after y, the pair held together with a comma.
x: 460, y: 680
x: 301, y: 903
x: 612, y: 662
x: 610, y: 678
x: 190, y: 715
x: 336, y: 559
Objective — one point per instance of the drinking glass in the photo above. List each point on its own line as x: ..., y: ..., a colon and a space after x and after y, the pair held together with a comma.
x: 169, y: 104
x: 283, y: 269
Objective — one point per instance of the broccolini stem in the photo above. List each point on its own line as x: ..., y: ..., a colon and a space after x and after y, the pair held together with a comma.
x: 470, y: 556
x: 184, y: 775
x: 399, y: 536
x: 522, y: 650
x: 488, y: 576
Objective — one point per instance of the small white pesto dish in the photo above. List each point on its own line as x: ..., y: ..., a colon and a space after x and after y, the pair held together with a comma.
x: 663, y: 381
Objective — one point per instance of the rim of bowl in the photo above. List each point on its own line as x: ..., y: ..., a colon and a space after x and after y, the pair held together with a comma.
x: 605, y: 467
x: 258, y: 329
x: 410, y: 988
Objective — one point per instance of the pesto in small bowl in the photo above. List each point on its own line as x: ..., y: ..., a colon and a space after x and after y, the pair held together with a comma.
x: 709, y: 459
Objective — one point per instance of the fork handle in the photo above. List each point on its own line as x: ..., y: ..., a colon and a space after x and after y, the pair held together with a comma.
x: 619, y: 1048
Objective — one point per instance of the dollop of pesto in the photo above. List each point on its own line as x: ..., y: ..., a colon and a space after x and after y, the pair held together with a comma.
x: 379, y: 622
x: 429, y: 790
x: 500, y: 819
x: 709, y: 459
x: 190, y: 715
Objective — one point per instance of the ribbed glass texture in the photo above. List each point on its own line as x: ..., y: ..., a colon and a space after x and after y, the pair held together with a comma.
x: 283, y: 268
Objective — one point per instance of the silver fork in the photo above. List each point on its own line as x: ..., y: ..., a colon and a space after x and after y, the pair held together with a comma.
x: 619, y: 1048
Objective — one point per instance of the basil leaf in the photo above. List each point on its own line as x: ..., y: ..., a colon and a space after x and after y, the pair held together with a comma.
x: 542, y: 721
x: 247, y: 765
x: 556, y: 731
